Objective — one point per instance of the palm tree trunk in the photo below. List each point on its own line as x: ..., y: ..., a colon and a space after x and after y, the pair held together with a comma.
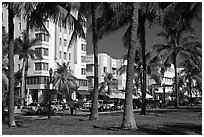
x: 11, y: 121
x: 128, y: 115
x: 190, y: 88
x: 176, y: 83
x: 94, y: 110
x: 23, y: 83
x: 164, y: 95
x: 141, y: 31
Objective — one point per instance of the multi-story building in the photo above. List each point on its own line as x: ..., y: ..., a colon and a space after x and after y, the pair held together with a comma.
x: 105, y: 64
x: 53, y: 48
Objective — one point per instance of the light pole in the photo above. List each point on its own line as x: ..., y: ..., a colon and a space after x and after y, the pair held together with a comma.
x: 49, y: 93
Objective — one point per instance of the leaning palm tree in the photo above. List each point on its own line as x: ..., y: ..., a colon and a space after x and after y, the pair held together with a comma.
x: 24, y: 48
x: 110, y: 82
x: 64, y: 81
x: 176, y: 24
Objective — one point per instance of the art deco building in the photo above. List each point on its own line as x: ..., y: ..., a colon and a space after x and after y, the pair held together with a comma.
x: 53, y: 48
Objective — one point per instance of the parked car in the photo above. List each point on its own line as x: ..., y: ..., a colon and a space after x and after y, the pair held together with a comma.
x: 33, y: 108
x: 55, y: 107
x: 106, y: 105
x: 102, y: 105
x: 87, y: 104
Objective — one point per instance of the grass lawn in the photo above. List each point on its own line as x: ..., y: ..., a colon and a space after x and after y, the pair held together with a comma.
x: 157, y: 122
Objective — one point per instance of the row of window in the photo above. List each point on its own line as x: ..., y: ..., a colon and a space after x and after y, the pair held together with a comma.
x: 45, y: 80
x: 43, y: 51
x: 83, y: 82
x: 167, y: 79
x: 37, y: 80
x: 65, y: 55
x: 41, y: 66
x: 42, y: 37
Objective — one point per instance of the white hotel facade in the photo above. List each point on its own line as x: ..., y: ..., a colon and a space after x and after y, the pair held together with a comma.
x: 105, y: 64
x: 53, y: 48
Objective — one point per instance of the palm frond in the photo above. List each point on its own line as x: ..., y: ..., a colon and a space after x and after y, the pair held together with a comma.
x: 126, y: 37
x: 161, y: 47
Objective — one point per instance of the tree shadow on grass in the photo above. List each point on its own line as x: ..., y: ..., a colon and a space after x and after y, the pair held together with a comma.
x: 174, y: 129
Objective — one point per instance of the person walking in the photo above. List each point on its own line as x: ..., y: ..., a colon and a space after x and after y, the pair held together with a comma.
x: 75, y: 106
x: 71, y: 105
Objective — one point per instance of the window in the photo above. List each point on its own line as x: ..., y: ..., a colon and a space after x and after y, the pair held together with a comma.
x: 65, y: 42
x: 45, y: 66
x: 42, y: 37
x: 60, y: 55
x: 19, y: 26
x: 41, y: 66
x: 83, y: 59
x: 60, y: 41
x: 83, y: 82
x: 83, y: 47
x: 39, y: 50
x: 69, y: 56
x: 46, y: 53
x: 65, y: 55
x: 42, y: 51
x: 2, y: 17
x: 83, y: 71
x: 38, y: 66
x: 104, y: 69
x: 89, y: 68
x: 47, y: 23
x: 19, y: 66
x: 65, y: 29
x: 60, y: 27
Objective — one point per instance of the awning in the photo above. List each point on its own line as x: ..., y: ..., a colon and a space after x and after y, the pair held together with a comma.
x: 83, y: 92
x: 120, y: 96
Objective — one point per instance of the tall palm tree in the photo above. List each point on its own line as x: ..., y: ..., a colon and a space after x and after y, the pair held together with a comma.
x: 189, y: 74
x: 147, y: 11
x: 94, y: 110
x: 176, y: 24
x: 64, y: 80
x: 24, y: 48
x: 11, y: 122
x: 128, y: 116
x: 110, y: 82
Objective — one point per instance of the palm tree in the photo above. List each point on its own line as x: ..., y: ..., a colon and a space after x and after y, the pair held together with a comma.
x: 14, y: 9
x: 24, y: 48
x: 64, y: 81
x: 94, y: 110
x: 147, y: 11
x: 11, y: 122
x: 189, y: 74
x: 176, y: 24
x: 110, y: 82
x: 128, y: 116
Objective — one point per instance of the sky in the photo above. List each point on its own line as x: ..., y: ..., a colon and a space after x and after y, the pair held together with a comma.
x: 112, y: 43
